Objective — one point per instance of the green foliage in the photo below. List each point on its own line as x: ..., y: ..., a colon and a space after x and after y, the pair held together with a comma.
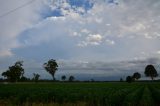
x: 51, y: 67
x: 24, y: 79
x: 129, y: 79
x: 136, y: 76
x: 71, y: 78
x: 133, y: 97
x: 121, y: 79
x: 15, y: 72
x: 150, y: 71
x: 36, y: 77
x: 146, y: 98
x: 63, y: 77
x: 90, y: 94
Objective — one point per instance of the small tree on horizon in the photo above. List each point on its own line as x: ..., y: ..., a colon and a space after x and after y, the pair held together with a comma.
x: 121, y: 79
x: 36, y: 77
x: 63, y: 77
x: 136, y: 76
x: 129, y: 79
x: 51, y: 67
x: 71, y: 78
x: 150, y: 71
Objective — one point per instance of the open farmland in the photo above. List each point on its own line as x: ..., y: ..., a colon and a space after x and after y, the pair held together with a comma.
x: 80, y: 94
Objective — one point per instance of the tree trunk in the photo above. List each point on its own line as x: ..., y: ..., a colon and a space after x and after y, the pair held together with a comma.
x: 53, y: 78
x: 152, y: 78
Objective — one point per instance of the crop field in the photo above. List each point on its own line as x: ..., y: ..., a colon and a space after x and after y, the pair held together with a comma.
x: 80, y: 94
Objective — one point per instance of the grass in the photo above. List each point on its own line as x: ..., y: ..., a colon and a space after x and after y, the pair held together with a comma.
x: 80, y: 94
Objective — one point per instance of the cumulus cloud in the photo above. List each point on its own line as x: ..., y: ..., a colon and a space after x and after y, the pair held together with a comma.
x: 110, y: 42
x: 15, y: 22
x: 123, y: 24
x: 91, y: 40
x: 117, y: 21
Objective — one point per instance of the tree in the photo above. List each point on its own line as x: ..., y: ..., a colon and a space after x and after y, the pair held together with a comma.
x: 92, y: 80
x: 51, y: 67
x: 23, y: 79
x: 63, y: 77
x: 6, y: 74
x: 121, y: 79
x: 36, y: 77
x: 15, y: 72
x: 71, y: 78
x: 136, y: 76
x: 129, y: 79
x: 19, y: 65
x: 150, y: 71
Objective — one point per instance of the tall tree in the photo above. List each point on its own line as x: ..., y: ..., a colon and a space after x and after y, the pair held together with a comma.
x: 136, y: 76
x: 15, y: 72
x: 51, y: 67
x: 150, y: 71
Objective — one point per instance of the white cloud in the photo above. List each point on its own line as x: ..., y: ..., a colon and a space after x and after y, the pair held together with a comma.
x: 94, y: 39
x: 97, y: 38
x: 85, y: 31
x: 124, y: 25
x: 5, y: 52
x: 110, y: 42
x: 14, y: 23
x: 158, y: 52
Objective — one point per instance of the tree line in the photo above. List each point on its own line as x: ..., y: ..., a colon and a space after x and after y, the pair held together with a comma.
x: 150, y: 71
x: 16, y: 72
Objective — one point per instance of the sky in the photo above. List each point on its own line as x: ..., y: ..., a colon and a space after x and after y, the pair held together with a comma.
x: 90, y: 39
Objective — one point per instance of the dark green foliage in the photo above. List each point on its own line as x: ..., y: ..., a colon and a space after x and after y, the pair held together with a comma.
x: 63, y: 77
x: 121, y: 79
x: 51, y: 67
x: 71, y: 78
x: 136, y: 76
x: 155, y: 91
x: 15, y: 72
x: 36, y: 77
x: 93, y: 94
x: 150, y: 71
x: 24, y: 79
x: 146, y: 98
x: 133, y: 97
x: 129, y: 79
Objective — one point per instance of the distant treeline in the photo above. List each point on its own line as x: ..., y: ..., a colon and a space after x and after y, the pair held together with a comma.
x: 15, y: 73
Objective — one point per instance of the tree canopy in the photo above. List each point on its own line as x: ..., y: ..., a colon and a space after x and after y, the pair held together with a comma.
x: 129, y: 79
x: 63, y: 77
x: 51, y: 67
x: 71, y: 78
x: 36, y: 77
x: 15, y: 72
x: 136, y: 75
x: 150, y: 71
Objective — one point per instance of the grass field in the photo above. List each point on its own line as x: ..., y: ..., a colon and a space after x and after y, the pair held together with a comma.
x: 80, y: 94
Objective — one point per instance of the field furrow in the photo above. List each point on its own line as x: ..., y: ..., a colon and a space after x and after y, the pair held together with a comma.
x: 81, y: 94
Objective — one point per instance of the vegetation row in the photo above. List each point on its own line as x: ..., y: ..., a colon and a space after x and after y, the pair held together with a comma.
x: 16, y: 72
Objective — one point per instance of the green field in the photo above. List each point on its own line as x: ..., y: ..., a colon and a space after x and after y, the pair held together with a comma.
x: 80, y: 94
